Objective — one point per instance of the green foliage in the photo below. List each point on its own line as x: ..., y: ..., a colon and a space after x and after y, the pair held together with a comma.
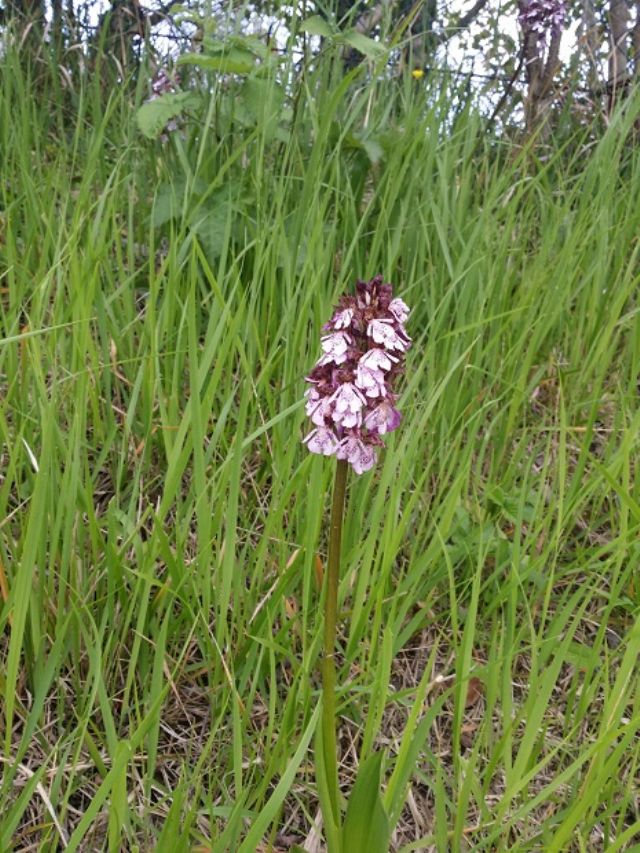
x: 160, y: 302
x: 258, y: 102
x: 316, y: 25
x: 154, y: 116
x: 319, y: 26
x: 368, y: 47
x: 366, y: 825
x: 233, y: 61
x: 326, y: 783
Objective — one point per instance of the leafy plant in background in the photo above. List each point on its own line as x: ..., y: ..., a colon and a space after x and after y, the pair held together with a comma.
x: 250, y: 104
x: 243, y: 93
x: 246, y: 70
x: 351, y: 403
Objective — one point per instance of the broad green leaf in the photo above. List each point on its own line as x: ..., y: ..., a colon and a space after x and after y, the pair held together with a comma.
x: 252, y: 44
x: 174, y: 198
x: 153, y: 116
x: 183, y: 13
x: 209, y: 219
x: 236, y: 47
x: 213, y: 226
x: 378, y: 693
x: 366, y: 827
x: 374, y: 150
x: 413, y: 739
x: 363, y: 44
x: 233, y: 62
x: 264, y: 100
x: 118, y: 811
x: 167, y: 206
x: 371, y: 146
x: 317, y: 26
x: 327, y: 794
x: 171, y: 837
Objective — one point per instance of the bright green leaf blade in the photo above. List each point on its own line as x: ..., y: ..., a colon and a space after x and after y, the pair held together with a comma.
x: 235, y: 62
x: 316, y: 26
x: 363, y: 44
x: 366, y: 826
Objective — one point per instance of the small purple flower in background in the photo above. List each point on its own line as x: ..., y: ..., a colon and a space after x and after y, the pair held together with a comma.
x: 351, y: 401
x: 541, y: 17
x: 164, y: 83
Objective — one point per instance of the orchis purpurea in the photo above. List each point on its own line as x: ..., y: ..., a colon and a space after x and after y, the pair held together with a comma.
x: 351, y: 401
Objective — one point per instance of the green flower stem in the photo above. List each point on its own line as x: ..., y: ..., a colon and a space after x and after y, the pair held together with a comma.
x: 330, y: 621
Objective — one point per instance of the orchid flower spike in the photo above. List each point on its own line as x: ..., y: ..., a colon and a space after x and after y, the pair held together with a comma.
x: 351, y: 401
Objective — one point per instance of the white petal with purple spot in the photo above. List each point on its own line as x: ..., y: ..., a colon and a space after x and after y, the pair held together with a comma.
x: 382, y: 332
x: 378, y: 359
x: 399, y: 309
x: 321, y: 441
x: 370, y: 381
x: 384, y: 418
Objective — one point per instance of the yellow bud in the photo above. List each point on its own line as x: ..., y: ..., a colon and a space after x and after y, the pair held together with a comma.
x: 417, y: 73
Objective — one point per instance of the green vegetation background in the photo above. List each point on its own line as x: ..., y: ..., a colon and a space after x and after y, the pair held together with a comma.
x: 162, y: 529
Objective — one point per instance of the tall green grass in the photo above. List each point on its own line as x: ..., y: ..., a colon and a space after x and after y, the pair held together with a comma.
x: 161, y: 525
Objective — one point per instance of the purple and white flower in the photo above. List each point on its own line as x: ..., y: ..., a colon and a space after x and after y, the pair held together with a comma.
x: 351, y: 401
x: 384, y: 418
x: 343, y: 319
x: 347, y: 403
x: 320, y: 411
x: 370, y: 381
x: 378, y: 359
x: 335, y: 348
x: 360, y: 455
x: 322, y: 441
x: 384, y: 332
x: 399, y: 309
x: 313, y: 396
